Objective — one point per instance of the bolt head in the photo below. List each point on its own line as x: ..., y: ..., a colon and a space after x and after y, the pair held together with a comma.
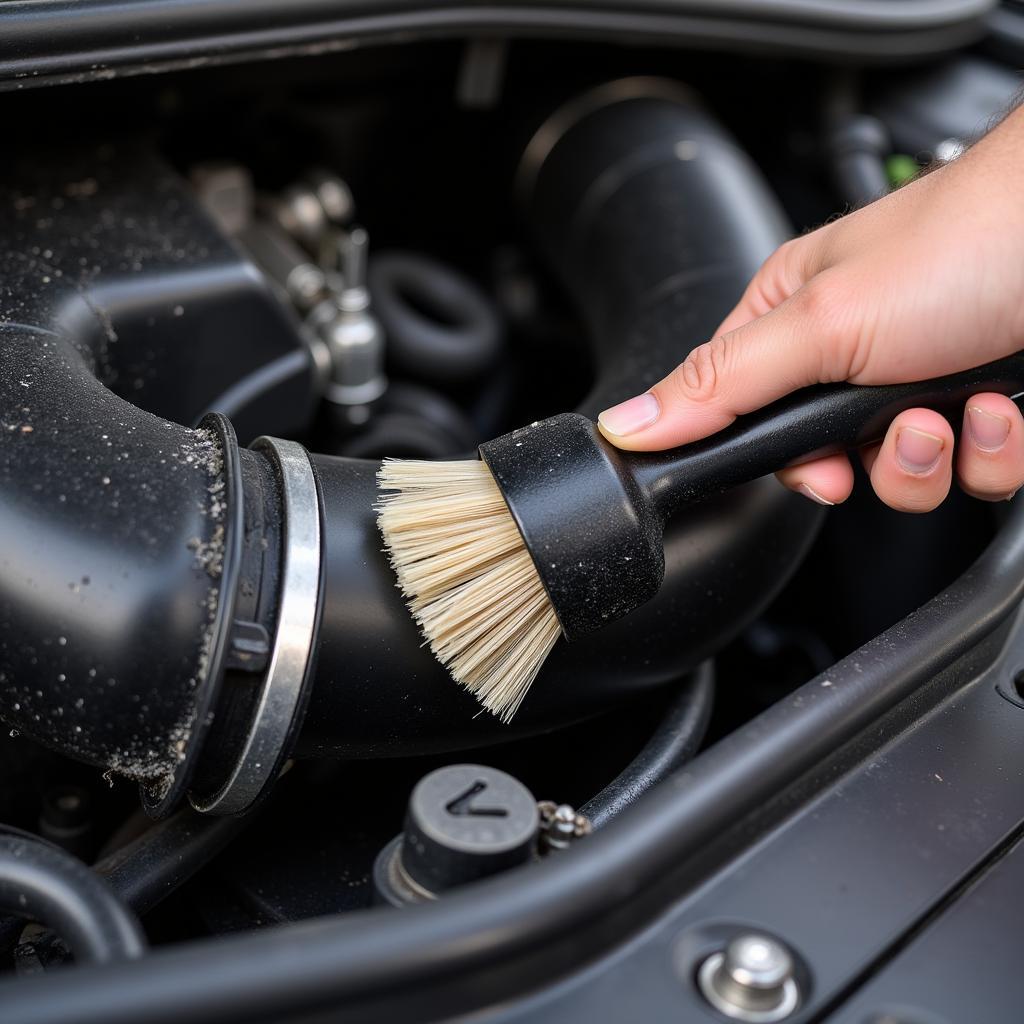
x: 757, y: 961
x: 752, y: 979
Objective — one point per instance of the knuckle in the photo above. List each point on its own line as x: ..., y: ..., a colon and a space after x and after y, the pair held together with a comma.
x: 699, y: 377
x: 824, y: 303
x: 829, y: 306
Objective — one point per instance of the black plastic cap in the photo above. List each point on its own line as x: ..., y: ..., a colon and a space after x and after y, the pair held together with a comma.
x: 592, y: 532
x: 465, y: 822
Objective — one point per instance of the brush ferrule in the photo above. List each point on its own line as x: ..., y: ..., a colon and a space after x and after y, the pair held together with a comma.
x: 592, y: 531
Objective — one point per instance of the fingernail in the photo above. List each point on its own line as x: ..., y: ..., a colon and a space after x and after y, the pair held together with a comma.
x: 917, y: 451
x: 989, y: 429
x: 629, y: 417
x: 810, y: 492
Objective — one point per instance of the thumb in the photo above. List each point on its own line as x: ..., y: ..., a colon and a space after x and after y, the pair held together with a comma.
x: 809, y: 338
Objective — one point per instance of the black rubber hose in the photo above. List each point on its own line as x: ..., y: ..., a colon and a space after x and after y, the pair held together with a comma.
x: 325, y: 964
x: 412, y: 422
x: 856, y: 144
x: 147, y: 870
x: 12, y: 927
x: 858, y: 147
x: 255, y: 385
x: 674, y: 742
x: 439, y: 325
x: 45, y: 884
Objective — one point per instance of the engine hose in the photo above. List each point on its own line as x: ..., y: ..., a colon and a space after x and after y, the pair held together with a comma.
x: 145, y: 871
x: 674, y: 742
x: 40, y: 882
x: 439, y: 325
x: 412, y: 422
x: 191, y: 614
x: 857, y: 148
x: 856, y: 144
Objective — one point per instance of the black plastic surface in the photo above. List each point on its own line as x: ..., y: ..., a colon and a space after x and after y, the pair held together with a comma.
x: 533, y: 927
x: 110, y: 247
x: 961, y: 966
x: 121, y: 530
x: 58, y: 40
x: 593, y: 532
x: 956, y: 100
x: 880, y: 885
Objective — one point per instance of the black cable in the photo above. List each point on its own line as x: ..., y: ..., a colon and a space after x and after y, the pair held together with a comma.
x: 253, y: 386
x: 41, y: 882
x: 674, y: 742
x: 148, y: 869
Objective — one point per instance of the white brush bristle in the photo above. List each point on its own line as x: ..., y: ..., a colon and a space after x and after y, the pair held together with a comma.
x: 468, y: 579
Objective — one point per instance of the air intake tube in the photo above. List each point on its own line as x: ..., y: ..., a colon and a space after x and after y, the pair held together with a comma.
x: 190, y: 614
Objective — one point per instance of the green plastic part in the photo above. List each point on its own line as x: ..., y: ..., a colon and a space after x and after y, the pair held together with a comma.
x: 901, y: 168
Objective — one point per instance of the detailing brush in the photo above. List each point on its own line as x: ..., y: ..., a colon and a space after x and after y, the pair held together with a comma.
x: 556, y: 532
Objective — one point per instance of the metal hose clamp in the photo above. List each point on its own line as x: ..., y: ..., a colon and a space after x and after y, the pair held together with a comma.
x: 280, y: 701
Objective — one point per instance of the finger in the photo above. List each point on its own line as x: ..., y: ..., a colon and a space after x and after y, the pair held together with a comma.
x: 811, y: 337
x: 990, y: 459
x: 828, y: 480
x: 914, y: 467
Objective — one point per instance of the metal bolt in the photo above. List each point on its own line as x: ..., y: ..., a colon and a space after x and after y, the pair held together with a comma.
x: 560, y: 826
x: 949, y: 150
x: 334, y: 195
x: 752, y: 979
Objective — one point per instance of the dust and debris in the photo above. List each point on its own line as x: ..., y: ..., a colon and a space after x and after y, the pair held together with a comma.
x: 209, y: 554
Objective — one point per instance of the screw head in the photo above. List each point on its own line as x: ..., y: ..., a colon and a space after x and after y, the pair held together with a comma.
x: 752, y: 979
x: 757, y: 962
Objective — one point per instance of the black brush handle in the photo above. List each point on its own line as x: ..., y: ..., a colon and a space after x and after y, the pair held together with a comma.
x: 806, y: 424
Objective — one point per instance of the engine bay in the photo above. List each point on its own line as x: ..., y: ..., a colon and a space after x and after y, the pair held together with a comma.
x: 228, y: 292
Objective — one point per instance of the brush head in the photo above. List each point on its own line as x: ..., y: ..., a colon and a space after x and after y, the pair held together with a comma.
x: 467, y: 577
x: 551, y: 534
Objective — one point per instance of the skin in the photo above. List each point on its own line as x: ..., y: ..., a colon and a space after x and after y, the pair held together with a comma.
x: 926, y: 281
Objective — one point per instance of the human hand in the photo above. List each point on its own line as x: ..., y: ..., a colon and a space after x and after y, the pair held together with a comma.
x: 925, y: 282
